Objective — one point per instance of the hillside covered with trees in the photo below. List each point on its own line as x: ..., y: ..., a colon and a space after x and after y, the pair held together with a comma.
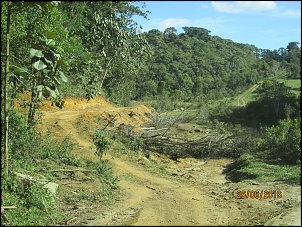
x: 106, y: 54
x: 85, y: 49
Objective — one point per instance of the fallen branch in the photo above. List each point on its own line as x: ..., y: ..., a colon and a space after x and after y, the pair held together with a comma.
x: 71, y: 183
x: 182, y: 111
x: 181, y: 148
x: 71, y: 220
x: 3, y: 212
x: 150, y: 187
x: 8, y: 207
x: 71, y: 170
x: 110, y: 121
x: 50, y: 217
x: 3, y: 216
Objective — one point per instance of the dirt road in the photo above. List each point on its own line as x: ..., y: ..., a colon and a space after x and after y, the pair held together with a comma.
x: 194, y: 193
x: 240, y: 99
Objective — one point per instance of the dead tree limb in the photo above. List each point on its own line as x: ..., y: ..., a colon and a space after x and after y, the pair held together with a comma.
x: 179, y: 147
x: 71, y: 170
x: 110, y: 121
x: 182, y: 111
x: 3, y: 215
x: 53, y: 221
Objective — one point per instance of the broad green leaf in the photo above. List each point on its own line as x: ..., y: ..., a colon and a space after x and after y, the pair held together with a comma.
x: 62, y: 63
x: 63, y: 77
x: 49, y: 62
x: 40, y: 88
x: 35, y: 52
x: 58, y: 56
x: 46, y: 71
x: 58, y: 48
x: 52, y: 92
x: 50, y: 35
x: 38, y: 47
x: 19, y: 70
x: 57, y: 92
x: 39, y: 65
x: 50, y: 42
x: 57, y: 81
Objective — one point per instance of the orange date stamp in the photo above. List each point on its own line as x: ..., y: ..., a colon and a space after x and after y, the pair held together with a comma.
x: 259, y: 194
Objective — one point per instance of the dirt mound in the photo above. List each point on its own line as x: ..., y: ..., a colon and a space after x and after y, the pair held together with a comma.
x: 73, y: 103
x: 98, y: 112
x: 127, y: 119
x: 70, y: 103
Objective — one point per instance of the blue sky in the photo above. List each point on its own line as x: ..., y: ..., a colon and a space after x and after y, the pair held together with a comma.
x: 265, y: 24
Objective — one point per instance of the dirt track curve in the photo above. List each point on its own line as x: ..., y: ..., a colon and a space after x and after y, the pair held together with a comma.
x: 202, y: 198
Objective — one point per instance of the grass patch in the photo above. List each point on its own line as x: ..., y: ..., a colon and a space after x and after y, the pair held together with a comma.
x: 132, y: 178
x: 247, y: 96
x: 35, y: 154
x: 249, y: 167
x: 294, y: 84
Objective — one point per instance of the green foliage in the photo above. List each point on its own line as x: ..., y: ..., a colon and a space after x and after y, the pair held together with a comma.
x: 8, y: 183
x: 195, y: 63
x: 28, y: 151
x: 283, y: 142
x: 35, y: 195
x: 101, y: 142
x: 111, y: 46
x: 26, y: 146
x: 31, y: 200
x: 106, y: 175
x: 23, y: 216
x: 137, y: 144
x: 250, y: 166
x: 46, y: 75
x: 273, y: 101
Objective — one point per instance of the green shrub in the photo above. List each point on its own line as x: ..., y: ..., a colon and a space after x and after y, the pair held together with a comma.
x: 36, y: 195
x: 137, y: 144
x: 283, y: 142
x: 101, y: 142
x: 105, y: 173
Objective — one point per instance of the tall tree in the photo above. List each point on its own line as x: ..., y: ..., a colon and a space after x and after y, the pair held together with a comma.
x: 108, y: 34
x: 13, y: 7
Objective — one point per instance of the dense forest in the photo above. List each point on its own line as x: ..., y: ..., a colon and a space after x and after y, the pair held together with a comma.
x: 107, y: 54
x: 51, y: 50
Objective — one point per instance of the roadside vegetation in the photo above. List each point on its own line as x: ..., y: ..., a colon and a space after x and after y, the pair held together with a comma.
x: 194, y: 80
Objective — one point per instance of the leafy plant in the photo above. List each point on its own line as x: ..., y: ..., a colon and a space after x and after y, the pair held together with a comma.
x: 137, y: 144
x: 283, y: 142
x: 36, y: 195
x: 46, y: 74
x: 101, y: 142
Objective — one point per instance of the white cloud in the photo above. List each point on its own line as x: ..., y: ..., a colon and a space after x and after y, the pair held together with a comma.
x: 173, y: 22
x: 208, y: 23
x: 289, y: 14
x: 204, y: 6
x: 243, y: 6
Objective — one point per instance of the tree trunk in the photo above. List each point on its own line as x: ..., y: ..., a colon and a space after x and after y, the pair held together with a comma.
x: 33, y: 106
x: 6, y: 85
